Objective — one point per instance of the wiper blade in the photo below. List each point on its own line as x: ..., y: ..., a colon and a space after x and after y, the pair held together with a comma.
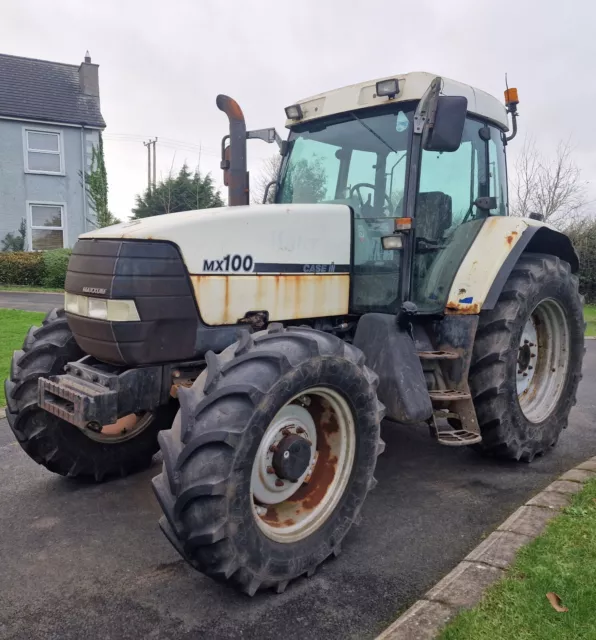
x: 375, y: 134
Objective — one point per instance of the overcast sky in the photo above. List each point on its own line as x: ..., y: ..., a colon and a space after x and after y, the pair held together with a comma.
x: 162, y: 63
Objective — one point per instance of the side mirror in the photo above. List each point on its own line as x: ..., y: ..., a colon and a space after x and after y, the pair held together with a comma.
x: 445, y: 133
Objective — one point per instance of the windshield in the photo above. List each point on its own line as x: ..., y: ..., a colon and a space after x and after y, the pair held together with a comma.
x: 358, y: 158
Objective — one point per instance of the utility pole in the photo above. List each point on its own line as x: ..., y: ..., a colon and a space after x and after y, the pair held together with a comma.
x: 148, y: 145
x: 154, y: 162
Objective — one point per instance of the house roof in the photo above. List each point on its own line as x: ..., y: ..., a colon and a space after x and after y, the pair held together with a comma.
x: 41, y: 90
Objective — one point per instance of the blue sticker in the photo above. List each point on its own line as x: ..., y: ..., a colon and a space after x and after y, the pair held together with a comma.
x: 466, y: 300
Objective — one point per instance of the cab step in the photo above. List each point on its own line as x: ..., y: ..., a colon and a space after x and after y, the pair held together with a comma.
x: 448, y: 395
x: 458, y: 438
x: 438, y: 355
x: 455, y: 437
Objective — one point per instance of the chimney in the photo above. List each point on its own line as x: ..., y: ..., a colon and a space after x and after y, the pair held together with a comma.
x: 89, y: 77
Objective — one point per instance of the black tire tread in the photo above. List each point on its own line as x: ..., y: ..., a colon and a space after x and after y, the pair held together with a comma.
x: 49, y: 441
x: 199, y: 451
x: 489, y: 383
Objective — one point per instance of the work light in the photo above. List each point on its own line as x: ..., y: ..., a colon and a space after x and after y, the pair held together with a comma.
x: 294, y: 112
x: 389, y: 88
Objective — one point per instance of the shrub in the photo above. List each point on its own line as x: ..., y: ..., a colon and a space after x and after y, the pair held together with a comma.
x: 22, y: 267
x: 15, y: 241
x: 583, y: 236
x: 55, y: 266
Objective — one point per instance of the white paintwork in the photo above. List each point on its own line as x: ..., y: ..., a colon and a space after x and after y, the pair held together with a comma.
x: 289, y: 234
x: 477, y: 272
x: 412, y: 86
x: 226, y: 299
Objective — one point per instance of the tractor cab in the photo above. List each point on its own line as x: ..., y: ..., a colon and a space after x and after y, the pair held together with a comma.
x: 420, y: 161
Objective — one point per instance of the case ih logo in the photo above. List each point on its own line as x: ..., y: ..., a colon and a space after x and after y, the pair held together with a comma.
x: 97, y: 290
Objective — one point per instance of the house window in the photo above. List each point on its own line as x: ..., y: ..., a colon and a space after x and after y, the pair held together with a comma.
x: 43, y: 152
x: 46, y: 223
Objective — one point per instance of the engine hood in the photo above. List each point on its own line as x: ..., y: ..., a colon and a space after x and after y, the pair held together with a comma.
x: 297, y: 238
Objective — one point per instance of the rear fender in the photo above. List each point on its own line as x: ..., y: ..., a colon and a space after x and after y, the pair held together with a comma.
x: 537, y: 238
x: 491, y: 258
x: 392, y: 355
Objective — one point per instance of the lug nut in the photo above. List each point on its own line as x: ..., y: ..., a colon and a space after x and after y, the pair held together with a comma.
x: 532, y: 344
x: 279, y: 483
x: 533, y: 355
x: 285, y: 431
x: 520, y: 371
x: 526, y: 341
x: 270, y: 470
x: 530, y: 367
x: 273, y: 448
x: 299, y: 430
x: 525, y: 374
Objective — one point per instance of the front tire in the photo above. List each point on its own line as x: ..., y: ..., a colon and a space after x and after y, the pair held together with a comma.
x: 278, y: 390
x: 54, y: 443
x: 527, y: 359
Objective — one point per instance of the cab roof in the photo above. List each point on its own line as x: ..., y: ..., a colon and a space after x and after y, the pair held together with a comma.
x: 412, y: 86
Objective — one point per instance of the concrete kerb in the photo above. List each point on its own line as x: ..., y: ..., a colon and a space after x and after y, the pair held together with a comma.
x: 464, y: 587
x: 2, y: 413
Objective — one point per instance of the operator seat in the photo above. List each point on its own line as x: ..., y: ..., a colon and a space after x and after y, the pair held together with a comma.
x: 434, y: 215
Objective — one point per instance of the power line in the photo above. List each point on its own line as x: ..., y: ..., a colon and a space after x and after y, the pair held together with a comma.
x: 169, y: 142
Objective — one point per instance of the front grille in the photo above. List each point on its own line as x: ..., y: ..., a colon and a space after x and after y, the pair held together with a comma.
x: 152, y: 274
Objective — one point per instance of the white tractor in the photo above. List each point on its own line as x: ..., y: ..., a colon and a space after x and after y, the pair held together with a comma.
x: 261, y: 346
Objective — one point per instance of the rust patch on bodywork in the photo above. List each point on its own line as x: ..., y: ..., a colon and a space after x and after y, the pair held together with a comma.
x: 462, y: 308
x: 511, y: 237
x: 226, y: 298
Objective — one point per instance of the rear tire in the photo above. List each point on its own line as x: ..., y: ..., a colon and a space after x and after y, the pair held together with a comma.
x: 206, y: 486
x: 58, y: 445
x: 521, y: 406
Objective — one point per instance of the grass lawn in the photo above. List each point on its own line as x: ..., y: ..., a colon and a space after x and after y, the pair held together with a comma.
x: 563, y: 561
x: 13, y: 329
x: 590, y: 316
x: 19, y: 287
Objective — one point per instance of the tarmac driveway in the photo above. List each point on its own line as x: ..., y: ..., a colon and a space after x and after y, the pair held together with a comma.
x: 80, y: 561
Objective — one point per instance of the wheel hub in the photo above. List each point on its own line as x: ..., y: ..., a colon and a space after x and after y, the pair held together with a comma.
x: 527, y: 356
x: 292, y: 457
x: 277, y: 476
x: 303, y: 464
x: 542, y: 360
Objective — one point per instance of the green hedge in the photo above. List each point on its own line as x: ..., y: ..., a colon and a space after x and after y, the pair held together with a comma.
x: 56, y: 264
x: 583, y: 236
x: 34, y: 269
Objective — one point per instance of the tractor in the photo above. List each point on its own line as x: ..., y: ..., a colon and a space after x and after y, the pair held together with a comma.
x: 260, y: 347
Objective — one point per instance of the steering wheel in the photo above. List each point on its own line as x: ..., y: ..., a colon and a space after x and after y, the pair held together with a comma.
x: 356, y: 189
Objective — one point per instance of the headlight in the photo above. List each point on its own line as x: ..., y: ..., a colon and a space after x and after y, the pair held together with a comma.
x: 392, y: 243
x: 98, y: 308
x: 123, y: 311
x: 101, y: 309
x: 76, y: 304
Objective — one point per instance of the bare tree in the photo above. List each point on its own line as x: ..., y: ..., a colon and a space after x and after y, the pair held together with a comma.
x: 552, y: 187
x: 269, y: 173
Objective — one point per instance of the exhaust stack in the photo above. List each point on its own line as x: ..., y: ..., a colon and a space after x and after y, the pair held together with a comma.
x: 233, y: 155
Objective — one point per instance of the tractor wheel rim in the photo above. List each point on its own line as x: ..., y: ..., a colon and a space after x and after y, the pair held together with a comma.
x: 288, y: 510
x: 125, y: 428
x: 542, y: 360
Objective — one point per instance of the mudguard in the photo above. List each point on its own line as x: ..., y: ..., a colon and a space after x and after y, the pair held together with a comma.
x: 491, y: 258
x: 391, y: 354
